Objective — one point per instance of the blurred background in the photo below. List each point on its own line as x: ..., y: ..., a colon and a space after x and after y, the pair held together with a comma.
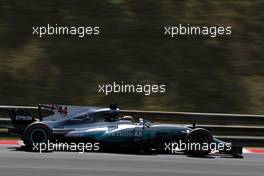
x: 202, y: 74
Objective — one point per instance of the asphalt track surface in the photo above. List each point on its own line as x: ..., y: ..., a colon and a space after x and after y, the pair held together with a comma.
x: 14, y: 162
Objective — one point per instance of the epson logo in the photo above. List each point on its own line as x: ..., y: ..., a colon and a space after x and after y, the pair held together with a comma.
x: 28, y: 118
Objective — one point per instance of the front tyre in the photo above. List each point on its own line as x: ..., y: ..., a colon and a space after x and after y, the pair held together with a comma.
x: 198, y: 142
x: 36, y: 133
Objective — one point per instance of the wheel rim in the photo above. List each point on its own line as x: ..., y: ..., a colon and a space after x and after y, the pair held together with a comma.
x: 201, y: 139
x: 38, y: 136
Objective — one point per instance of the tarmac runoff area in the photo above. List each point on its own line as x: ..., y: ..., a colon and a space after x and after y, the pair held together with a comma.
x: 18, y: 162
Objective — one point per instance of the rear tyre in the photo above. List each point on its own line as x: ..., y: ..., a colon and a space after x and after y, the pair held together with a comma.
x: 36, y: 134
x: 200, y: 140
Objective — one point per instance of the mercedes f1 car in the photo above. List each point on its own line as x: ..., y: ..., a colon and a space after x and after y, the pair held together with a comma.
x: 105, y: 125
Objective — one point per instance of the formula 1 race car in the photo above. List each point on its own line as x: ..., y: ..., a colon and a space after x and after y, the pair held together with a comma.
x: 59, y: 123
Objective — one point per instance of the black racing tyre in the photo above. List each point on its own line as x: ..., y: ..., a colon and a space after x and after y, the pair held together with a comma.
x: 36, y: 133
x: 202, y: 137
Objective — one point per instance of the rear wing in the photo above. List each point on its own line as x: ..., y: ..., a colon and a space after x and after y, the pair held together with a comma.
x: 38, y: 112
x: 22, y: 116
